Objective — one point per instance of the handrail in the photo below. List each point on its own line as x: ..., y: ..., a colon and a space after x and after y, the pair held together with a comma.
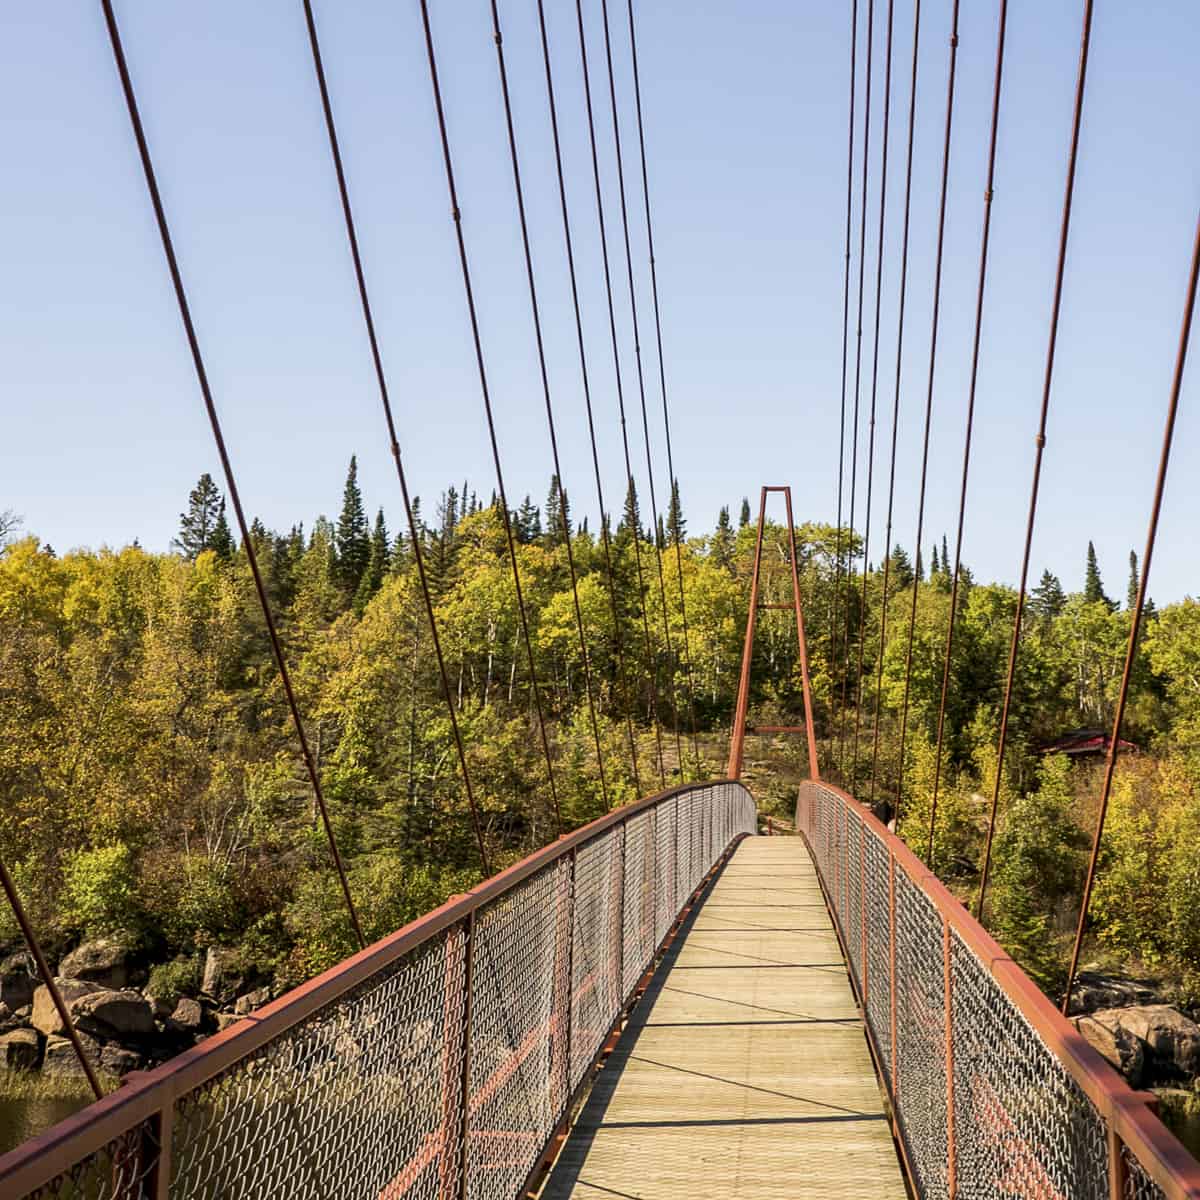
x: 937, y: 961
x: 613, y: 887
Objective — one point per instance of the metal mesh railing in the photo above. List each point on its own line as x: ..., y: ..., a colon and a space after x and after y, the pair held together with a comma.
x: 995, y: 1094
x: 437, y: 1064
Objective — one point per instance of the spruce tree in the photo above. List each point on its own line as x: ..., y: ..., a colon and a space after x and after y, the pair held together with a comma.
x: 662, y: 534
x: 554, y: 533
x: 721, y: 545
x: 1131, y: 593
x: 527, y: 522
x: 1048, y: 599
x: 900, y: 572
x: 919, y: 569
x: 631, y: 517
x: 947, y: 569
x: 197, y: 525
x: 352, y: 539
x: 221, y: 542
x: 934, y: 570
x: 377, y: 564
x: 1093, y: 587
x: 744, y: 517
x: 676, y: 525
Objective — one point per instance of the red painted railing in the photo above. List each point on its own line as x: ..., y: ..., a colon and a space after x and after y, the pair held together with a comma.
x: 995, y: 1093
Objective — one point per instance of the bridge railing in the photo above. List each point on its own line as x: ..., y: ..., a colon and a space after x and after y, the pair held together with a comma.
x: 995, y: 1093
x: 437, y: 1064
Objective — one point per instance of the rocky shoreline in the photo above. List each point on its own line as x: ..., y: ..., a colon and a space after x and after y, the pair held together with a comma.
x: 122, y: 1025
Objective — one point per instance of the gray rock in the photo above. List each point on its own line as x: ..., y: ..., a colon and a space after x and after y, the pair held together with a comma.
x: 19, y: 1050
x: 187, y: 1017
x: 45, y: 1018
x: 227, y: 975
x: 110, y: 1014
x: 18, y: 980
x: 61, y: 1060
x: 1172, y: 1041
x: 117, y: 1060
x: 9, y: 1019
x: 1117, y: 1044
x: 1094, y: 990
x: 103, y: 960
x: 251, y: 1000
x: 224, y: 1020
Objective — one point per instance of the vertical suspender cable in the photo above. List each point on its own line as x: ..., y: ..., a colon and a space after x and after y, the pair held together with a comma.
x: 937, y: 304
x: 189, y: 328
x: 587, y: 398
x: 662, y: 376
x: 641, y: 380
x: 834, y: 624
x: 887, y: 112
x: 887, y: 540
x: 1040, y: 443
x: 1185, y: 333
x: 651, y: 662
x: 541, y: 353
x: 1002, y: 26
x: 456, y: 215
x: 862, y: 262
x: 385, y: 399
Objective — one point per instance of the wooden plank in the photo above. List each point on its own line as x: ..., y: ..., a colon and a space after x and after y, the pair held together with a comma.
x: 745, y: 1071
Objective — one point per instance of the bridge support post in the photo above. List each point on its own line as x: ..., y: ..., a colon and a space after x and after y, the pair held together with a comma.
x: 741, y: 710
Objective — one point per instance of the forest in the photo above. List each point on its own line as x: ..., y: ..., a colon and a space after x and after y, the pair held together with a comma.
x: 154, y: 792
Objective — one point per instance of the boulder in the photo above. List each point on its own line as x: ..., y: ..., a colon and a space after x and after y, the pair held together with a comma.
x: 224, y: 1020
x: 117, y: 1060
x: 187, y: 1017
x: 18, y: 980
x: 19, y: 1050
x: 1094, y: 990
x: 226, y: 974
x: 114, y: 1015
x: 61, y: 1060
x: 1115, y: 1043
x: 103, y: 960
x: 251, y: 1000
x: 1172, y: 1041
x: 9, y: 1019
x: 45, y: 1018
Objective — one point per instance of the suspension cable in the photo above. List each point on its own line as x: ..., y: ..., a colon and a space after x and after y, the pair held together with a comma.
x: 862, y: 260
x: 1040, y: 443
x: 622, y: 681
x: 937, y: 304
x: 1002, y: 26
x: 651, y: 659
x: 541, y: 353
x: 862, y: 640
x: 641, y: 380
x: 834, y: 624
x: 662, y: 376
x: 1135, y: 625
x: 393, y: 440
x: 456, y: 214
x: 887, y: 560
x: 185, y: 314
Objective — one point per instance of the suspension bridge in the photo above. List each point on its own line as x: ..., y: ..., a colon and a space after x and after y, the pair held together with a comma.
x: 669, y: 1001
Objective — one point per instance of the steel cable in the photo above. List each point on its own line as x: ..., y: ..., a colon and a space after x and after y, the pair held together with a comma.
x: 862, y: 261
x: 1002, y: 26
x: 662, y: 375
x: 887, y: 560
x: 619, y: 653
x: 185, y: 314
x: 456, y: 215
x: 1185, y: 332
x: 937, y: 302
x: 641, y: 380
x: 393, y: 440
x: 862, y: 640
x: 651, y: 660
x: 1040, y: 444
x: 535, y: 308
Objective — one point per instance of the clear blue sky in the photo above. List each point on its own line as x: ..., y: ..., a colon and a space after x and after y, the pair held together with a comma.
x: 746, y: 121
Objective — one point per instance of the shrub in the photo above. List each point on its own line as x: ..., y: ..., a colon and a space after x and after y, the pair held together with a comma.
x: 171, y: 980
x: 99, y: 896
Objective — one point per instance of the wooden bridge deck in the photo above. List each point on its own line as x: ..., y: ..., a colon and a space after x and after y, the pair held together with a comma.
x: 744, y: 1072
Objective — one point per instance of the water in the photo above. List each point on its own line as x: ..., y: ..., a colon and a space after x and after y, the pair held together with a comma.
x: 23, y: 1117
x: 1185, y: 1128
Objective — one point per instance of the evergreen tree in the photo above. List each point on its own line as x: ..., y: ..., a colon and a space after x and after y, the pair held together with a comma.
x: 1131, y: 593
x: 527, y: 522
x: 744, y: 517
x: 554, y: 532
x: 631, y: 516
x: 900, y: 571
x: 352, y: 539
x: 1048, y: 599
x: 377, y: 564
x: 919, y: 570
x: 947, y: 569
x: 661, y: 532
x: 721, y: 546
x: 221, y: 541
x: 676, y: 525
x: 934, y: 570
x: 1093, y: 587
x: 199, y: 523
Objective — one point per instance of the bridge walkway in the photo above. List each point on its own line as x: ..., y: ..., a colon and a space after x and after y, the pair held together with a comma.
x: 744, y: 1071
